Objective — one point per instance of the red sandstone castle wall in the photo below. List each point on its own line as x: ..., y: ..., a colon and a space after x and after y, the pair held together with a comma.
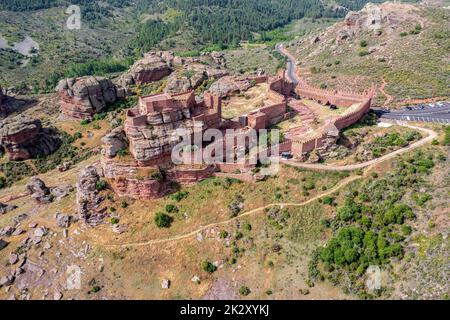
x: 351, y: 118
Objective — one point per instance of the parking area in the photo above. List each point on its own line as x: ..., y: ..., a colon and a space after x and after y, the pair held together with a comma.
x: 438, y: 112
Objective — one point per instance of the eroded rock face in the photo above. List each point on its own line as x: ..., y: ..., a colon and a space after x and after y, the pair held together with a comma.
x: 3, y: 108
x: 189, y: 78
x: 81, y: 98
x: 5, y: 208
x: 113, y: 142
x: 88, y: 197
x: 23, y: 138
x: 39, y: 191
x: 228, y: 85
x: 153, y: 67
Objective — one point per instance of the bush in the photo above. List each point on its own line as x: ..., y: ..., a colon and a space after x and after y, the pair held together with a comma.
x: 223, y: 234
x: 247, y: 227
x: 208, y: 267
x: 115, y: 221
x: 363, y: 43
x: 180, y: 195
x: 163, y: 220
x: 170, y: 208
x: 328, y: 200
x: 363, y: 53
x: 100, y: 185
x: 244, y: 291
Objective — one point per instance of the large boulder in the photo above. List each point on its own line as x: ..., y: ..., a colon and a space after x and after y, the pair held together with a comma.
x: 81, y: 98
x: 88, y: 196
x: 23, y: 138
x: 229, y: 85
x: 113, y: 142
x: 39, y: 191
x: 188, y: 78
x: 5, y: 208
x: 153, y: 67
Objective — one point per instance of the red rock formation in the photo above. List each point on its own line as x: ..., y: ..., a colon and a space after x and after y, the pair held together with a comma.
x: 153, y: 67
x: 24, y: 138
x: 83, y: 97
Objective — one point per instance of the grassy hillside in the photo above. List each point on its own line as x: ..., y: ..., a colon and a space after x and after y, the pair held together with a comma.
x: 409, y: 54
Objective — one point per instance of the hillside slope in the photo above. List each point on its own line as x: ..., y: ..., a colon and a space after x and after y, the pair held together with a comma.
x: 402, y: 48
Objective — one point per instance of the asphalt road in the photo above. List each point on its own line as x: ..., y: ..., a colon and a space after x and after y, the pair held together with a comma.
x: 291, y: 64
x: 435, y: 114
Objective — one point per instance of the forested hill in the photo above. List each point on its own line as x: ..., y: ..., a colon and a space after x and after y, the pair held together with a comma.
x: 213, y: 21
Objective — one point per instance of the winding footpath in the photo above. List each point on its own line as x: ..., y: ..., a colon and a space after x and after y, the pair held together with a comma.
x: 336, y: 188
x: 431, y: 135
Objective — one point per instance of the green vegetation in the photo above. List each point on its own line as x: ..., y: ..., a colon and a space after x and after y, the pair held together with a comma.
x: 447, y: 135
x: 392, y: 141
x: 101, y: 185
x: 369, y: 227
x: 208, y: 267
x: 244, y: 291
x: 163, y: 220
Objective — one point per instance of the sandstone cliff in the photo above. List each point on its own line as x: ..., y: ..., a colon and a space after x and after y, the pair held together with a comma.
x: 81, y: 98
x: 23, y: 138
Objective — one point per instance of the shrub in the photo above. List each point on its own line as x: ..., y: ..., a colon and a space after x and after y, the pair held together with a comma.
x: 122, y: 152
x: 434, y: 142
x: 163, y: 220
x: 170, y: 208
x: 363, y: 43
x: 406, y: 230
x: 247, y: 227
x: 328, y: 200
x: 115, y: 221
x: 100, y: 185
x: 238, y: 235
x: 244, y: 291
x: 208, y: 267
x: 2, y: 182
x: 180, y: 195
x: 223, y: 234
x: 363, y: 53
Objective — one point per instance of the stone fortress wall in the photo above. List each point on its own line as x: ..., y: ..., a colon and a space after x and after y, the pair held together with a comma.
x: 148, y: 172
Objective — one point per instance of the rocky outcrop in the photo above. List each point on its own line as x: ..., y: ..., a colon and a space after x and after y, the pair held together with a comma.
x: 5, y: 208
x: 81, y: 98
x: 153, y: 67
x: 114, y: 142
x: 219, y: 58
x: 39, y: 191
x: 3, y: 108
x: 23, y: 138
x: 228, y: 85
x: 189, y: 78
x: 88, y: 197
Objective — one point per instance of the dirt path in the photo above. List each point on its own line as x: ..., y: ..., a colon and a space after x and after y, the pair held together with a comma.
x: 389, y: 98
x: 431, y: 135
x: 328, y: 167
x: 343, y: 183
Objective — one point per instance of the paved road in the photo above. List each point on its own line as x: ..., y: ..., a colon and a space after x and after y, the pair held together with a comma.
x: 436, y: 114
x: 291, y: 64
